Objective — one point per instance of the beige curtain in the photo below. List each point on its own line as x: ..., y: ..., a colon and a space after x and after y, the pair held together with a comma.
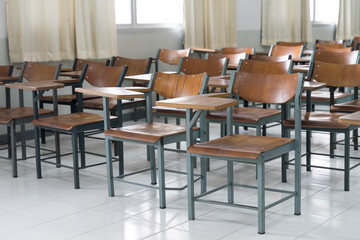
x: 285, y: 20
x: 95, y: 29
x: 349, y: 19
x: 210, y: 23
x: 53, y: 30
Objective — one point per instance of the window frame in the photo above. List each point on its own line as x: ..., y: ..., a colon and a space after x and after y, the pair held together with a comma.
x: 135, y: 25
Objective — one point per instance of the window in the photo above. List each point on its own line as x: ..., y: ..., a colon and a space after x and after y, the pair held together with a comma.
x: 324, y: 10
x: 148, y: 13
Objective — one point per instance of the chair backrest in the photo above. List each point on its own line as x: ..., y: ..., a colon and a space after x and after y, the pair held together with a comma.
x: 234, y: 58
x: 248, y: 50
x: 176, y: 85
x: 99, y: 75
x: 337, y: 75
x: 32, y: 71
x: 321, y: 55
x: 355, y: 43
x: 254, y: 66
x: 283, y: 43
x: 265, y: 88
x: 269, y: 58
x: 135, y: 66
x: 327, y: 42
x: 213, y: 66
x: 278, y: 50
x: 327, y: 46
x: 6, y: 71
x: 79, y: 63
x: 330, y: 49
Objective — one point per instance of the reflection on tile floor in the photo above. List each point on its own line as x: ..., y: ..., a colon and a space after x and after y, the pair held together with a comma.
x: 49, y: 208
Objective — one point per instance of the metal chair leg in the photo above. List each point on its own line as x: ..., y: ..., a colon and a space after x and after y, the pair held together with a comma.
x: 161, y: 172
x: 13, y: 149
x: 109, y: 167
x: 347, y: 162
x: 75, y: 161
x: 261, y: 197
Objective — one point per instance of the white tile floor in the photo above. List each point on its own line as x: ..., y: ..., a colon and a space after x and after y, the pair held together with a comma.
x: 49, y: 208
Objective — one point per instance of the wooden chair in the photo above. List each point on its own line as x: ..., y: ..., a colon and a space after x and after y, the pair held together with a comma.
x: 334, y: 75
x: 70, y: 99
x: 322, y: 55
x: 253, y: 116
x: 255, y: 150
x: 280, y: 50
x: 355, y: 43
x: 155, y: 134
x: 170, y: 57
x: 269, y: 58
x: 135, y: 67
x: 232, y: 50
x: 329, y: 42
x: 212, y: 67
x: 76, y: 124
x: 330, y: 46
x: 6, y: 71
x: 283, y: 43
x: 13, y: 116
x: 234, y: 58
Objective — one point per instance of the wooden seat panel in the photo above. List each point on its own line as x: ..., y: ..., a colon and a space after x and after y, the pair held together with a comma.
x: 325, y: 96
x: 319, y: 120
x: 244, y: 114
x: 239, y: 146
x: 69, y: 121
x: 347, y: 107
x: 146, y: 132
x: 8, y: 114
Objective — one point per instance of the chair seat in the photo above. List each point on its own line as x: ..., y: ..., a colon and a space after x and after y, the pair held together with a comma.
x: 319, y: 120
x: 322, y: 96
x: 146, y: 132
x: 69, y: 121
x: 169, y: 111
x: 244, y: 114
x: 97, y: 103
x: 66, y: 98
x: 8, y: 114
x: 346, y: 107
x: 239, y: 146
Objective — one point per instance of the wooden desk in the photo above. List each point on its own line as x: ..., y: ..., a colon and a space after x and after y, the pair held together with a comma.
x: 74, y: 74
x: 302, y: 60
x: 352, y: 118
x: 214, y: 82
x: 115, y: 92
x: 200, y: 51
x: 300, y: 68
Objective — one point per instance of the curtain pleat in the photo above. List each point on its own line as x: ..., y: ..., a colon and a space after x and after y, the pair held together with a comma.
x: 285, y: 20
x: 349, y: 19
x: 54, y: 30
x: 210, y: 23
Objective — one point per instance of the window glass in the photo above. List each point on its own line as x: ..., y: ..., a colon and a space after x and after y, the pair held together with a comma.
x: 324, y: 10
x: 159, y: 11
x: 123, y: 11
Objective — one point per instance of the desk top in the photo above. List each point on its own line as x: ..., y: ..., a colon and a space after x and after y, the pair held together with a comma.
x: 70, y: 74
x: 217, y: 81
x: 68, y: 81
x: 203, y: 50
x: 306, y: 59
x: 201, y: 102
x: 36, y: 86
x: 113, y: 92
x: 312, y: 86
x: 300, y: 68
x: 352, y: 118
x: 9, y: 79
